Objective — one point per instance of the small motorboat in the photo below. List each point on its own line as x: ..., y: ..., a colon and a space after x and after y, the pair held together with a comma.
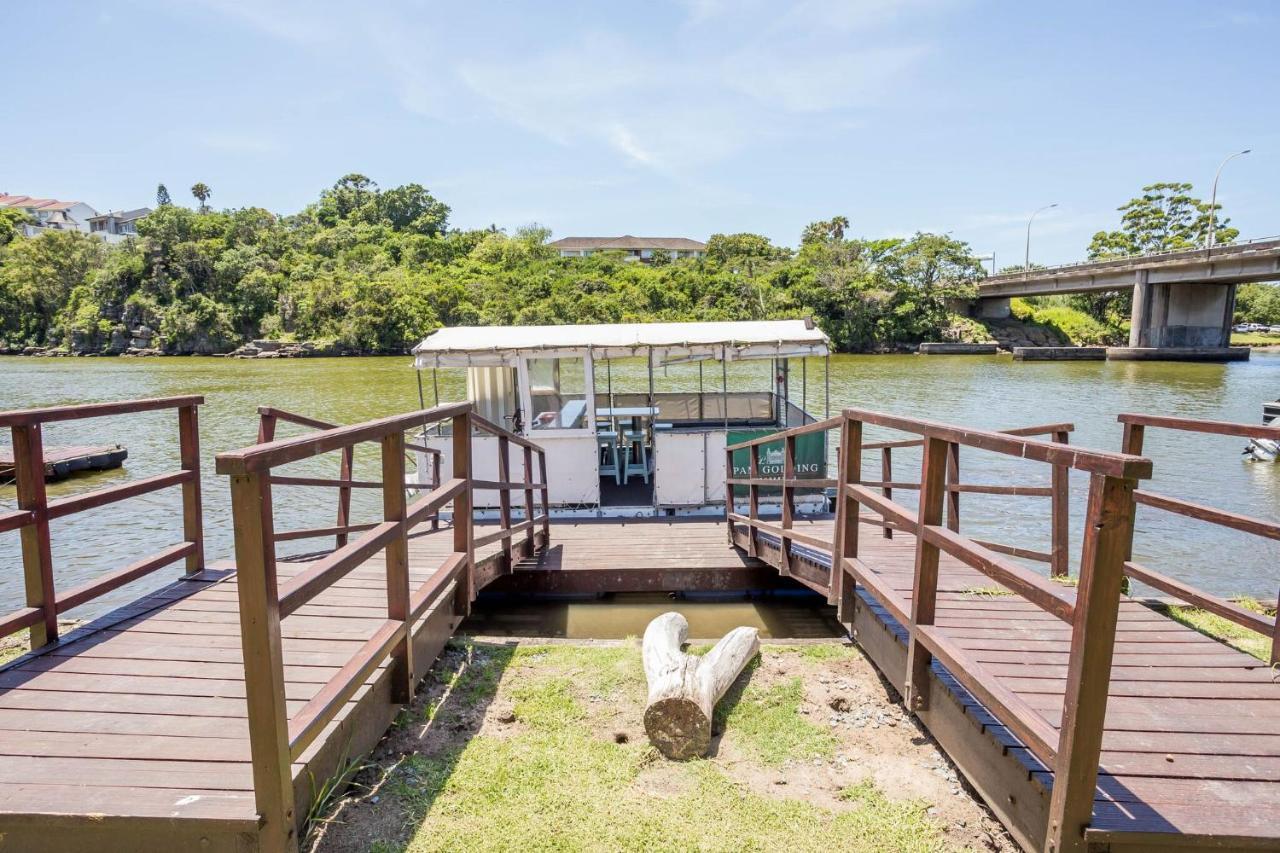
x: 1266, y: 449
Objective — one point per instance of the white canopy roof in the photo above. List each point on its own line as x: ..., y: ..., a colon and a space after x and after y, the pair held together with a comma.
x: 462, y: 346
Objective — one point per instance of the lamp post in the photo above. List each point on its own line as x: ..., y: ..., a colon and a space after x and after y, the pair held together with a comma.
x: 1026, y: 260
x: 1213, y: 197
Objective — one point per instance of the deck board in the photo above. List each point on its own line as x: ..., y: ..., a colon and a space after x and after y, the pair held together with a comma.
x: 1192, y: 739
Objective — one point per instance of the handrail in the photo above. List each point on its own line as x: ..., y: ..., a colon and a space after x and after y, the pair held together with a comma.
x: 35, y: 510
x: 1132, y: 439
x: 1125, y: 261
x: 1073, y: 749
x: 277, y: 738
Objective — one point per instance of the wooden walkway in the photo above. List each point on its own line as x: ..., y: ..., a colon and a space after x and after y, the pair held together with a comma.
x: 1191, y: 748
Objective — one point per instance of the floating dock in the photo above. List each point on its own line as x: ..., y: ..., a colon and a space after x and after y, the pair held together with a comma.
x: 62, y: 462
x: 958, y: 349
x: 1060, y: 353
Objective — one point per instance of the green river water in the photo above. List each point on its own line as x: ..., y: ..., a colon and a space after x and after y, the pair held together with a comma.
x: 971, y: 390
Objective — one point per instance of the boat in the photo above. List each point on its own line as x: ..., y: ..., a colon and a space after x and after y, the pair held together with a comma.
x: 659, y: 450
x: 1266, y: 449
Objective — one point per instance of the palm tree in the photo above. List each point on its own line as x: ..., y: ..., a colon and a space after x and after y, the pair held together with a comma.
x: 202, y: 192
x: 838, y: 224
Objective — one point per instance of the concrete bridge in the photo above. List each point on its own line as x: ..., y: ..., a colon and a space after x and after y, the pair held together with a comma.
x: 1182, y: 302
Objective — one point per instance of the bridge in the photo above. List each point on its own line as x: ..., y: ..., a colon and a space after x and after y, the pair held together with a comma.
x: 1182, y: 301
x: 200, y: 716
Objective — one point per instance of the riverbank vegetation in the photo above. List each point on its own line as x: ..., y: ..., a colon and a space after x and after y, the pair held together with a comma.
x: 365, y: 269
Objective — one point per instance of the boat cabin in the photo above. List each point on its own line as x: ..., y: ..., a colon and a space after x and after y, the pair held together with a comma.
x: 635, y: 417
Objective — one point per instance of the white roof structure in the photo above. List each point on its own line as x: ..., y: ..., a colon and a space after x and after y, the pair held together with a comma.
x: 464, y: 346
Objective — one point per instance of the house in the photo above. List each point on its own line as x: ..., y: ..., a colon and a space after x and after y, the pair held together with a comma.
x: 116, y: 225
x: 636, y: 248
x: 50, y: 214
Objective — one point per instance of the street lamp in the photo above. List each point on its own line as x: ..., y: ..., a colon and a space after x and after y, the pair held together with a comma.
x: 1026, y: 261
x: 1213, y: 197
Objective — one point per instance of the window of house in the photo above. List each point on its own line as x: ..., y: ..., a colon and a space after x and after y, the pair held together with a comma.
x: 557, y: 393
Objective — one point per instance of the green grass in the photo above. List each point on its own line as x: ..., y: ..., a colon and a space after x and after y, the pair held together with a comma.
x: 556, y: 779
x: 1245, y: 339
x: 986, y: 591
x: 1069, y: 323
x: 14, y: 646
x: 1237, y: 636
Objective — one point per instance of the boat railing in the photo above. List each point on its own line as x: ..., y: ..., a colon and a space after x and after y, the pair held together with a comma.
x: 31, y: 519
x: 276, y: 737
x: 1073, y: 748
x: 1135, y: 426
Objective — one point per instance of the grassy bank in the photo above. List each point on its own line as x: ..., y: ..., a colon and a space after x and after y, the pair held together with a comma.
x: 1226, y: 631
x: 1071, y: 324
x: 1254, y: 339
x: 542, y: 747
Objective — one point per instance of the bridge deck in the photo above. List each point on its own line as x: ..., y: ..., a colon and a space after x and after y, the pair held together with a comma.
x: 1192, y: 741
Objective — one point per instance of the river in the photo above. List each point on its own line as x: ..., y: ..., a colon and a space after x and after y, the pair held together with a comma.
x: 972, y: 390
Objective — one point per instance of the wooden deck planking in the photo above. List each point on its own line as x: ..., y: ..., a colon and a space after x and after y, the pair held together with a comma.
x: 1192, y: 739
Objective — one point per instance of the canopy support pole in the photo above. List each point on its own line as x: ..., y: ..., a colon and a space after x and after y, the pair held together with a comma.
x: 804, y: 383
x: 651, y: 377
x: 701, y: 414
x: 724, y: 381
x: 826, y: 383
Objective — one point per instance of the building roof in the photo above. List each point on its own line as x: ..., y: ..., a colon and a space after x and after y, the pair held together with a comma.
x: 123, y: 215
x: 27, y: 201
x: 462, y: 346
x: 674, y: 244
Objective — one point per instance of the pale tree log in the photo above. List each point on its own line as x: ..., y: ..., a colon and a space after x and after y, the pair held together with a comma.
x: 684, y: 689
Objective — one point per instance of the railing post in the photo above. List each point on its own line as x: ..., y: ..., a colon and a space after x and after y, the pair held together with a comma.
x: 788, y: 498
x: 345, y: 467
x: 1060, y: 519
x: 953, y: 496
x: 1107, y: 539
x: 504, y: 498
x: 886, y: 476
x: 728, y: 493
x: 1275, y: 635
x: 37, y: 557
x: 263, y: 662
x: 435, y: 483
x: 753, y: 497
x: 546, y: 500
x: 463, y: 532
x: 845, y: 541
x: 528, y: 501
x: 266, y: 428
x: 397, y: 562
x: 924, y: 594
x: 192, y: 512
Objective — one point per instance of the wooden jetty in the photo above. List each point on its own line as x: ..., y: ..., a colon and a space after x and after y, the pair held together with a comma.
x: 61, y: 462
x: 201, y: 716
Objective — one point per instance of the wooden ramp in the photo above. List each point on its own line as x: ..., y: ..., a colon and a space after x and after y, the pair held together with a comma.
x: 1191, y: 748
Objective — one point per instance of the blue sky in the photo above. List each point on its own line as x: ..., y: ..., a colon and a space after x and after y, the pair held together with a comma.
x: 664, y: 118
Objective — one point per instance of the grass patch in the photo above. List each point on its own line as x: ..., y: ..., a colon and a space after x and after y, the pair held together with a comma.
x: 768, y: 722
x: 1070, y: 324
x: 14, y: 646
x: 1245, y: 339
x: 818, y: 651
x: 1237, y: 636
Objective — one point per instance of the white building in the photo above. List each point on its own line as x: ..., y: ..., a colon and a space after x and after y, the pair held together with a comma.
x: 116, y: 225
x: 50, y: 214
x: 636, y: 248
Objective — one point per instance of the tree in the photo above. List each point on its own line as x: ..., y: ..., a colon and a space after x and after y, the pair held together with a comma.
x: 202, y: 192
x: 1165, y: 218
x: 11, y: 221
x: 838, y: 226
x: 162, y: 196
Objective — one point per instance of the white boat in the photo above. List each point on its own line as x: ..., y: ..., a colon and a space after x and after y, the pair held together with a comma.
x: 1266, y: 449
x: 660, y: 450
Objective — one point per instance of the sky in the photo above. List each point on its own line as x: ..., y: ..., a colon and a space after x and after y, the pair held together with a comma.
x: 680, y: 118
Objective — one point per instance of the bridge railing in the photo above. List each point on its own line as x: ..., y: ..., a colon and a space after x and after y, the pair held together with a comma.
x: 1135, y: 426
x: 1073, y: 749
x: 276, y: 737
x: 1227, y: 249
x: 35, y: 510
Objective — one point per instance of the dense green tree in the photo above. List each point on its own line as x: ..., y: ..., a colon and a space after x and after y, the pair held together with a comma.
x: 1165, y: 218
x: 11, y: 221
x: 162, y: 196
x: 1258, y: 303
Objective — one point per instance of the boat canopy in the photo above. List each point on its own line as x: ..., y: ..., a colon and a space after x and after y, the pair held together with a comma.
x: 481, y: 346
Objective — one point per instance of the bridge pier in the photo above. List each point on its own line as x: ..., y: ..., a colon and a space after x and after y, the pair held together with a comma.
x: 993, y: 308
x: 1180, y: 321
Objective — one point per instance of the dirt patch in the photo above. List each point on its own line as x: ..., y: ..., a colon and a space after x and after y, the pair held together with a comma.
x: 508, y: 741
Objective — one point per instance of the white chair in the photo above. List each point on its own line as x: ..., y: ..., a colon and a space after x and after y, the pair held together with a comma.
x: 636, y: 458
x: 613, y: 455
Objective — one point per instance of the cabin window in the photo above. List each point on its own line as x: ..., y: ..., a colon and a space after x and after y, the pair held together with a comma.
x: 557, y: 393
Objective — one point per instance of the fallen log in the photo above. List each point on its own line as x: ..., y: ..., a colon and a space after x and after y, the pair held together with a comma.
x: 683, y: 688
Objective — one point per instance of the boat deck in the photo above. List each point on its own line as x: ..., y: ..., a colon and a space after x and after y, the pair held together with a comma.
x: 1191, y: 749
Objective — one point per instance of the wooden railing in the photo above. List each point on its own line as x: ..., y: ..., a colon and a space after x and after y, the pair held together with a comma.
x: 35, y: 510
x: 277, y: 738
x: 1133, y: 437
x: 1073, y: 749
x: 1058, y: 491
x: 269, y: 417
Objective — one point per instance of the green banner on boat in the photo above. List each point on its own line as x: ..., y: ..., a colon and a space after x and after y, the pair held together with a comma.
x: 811, y: 456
